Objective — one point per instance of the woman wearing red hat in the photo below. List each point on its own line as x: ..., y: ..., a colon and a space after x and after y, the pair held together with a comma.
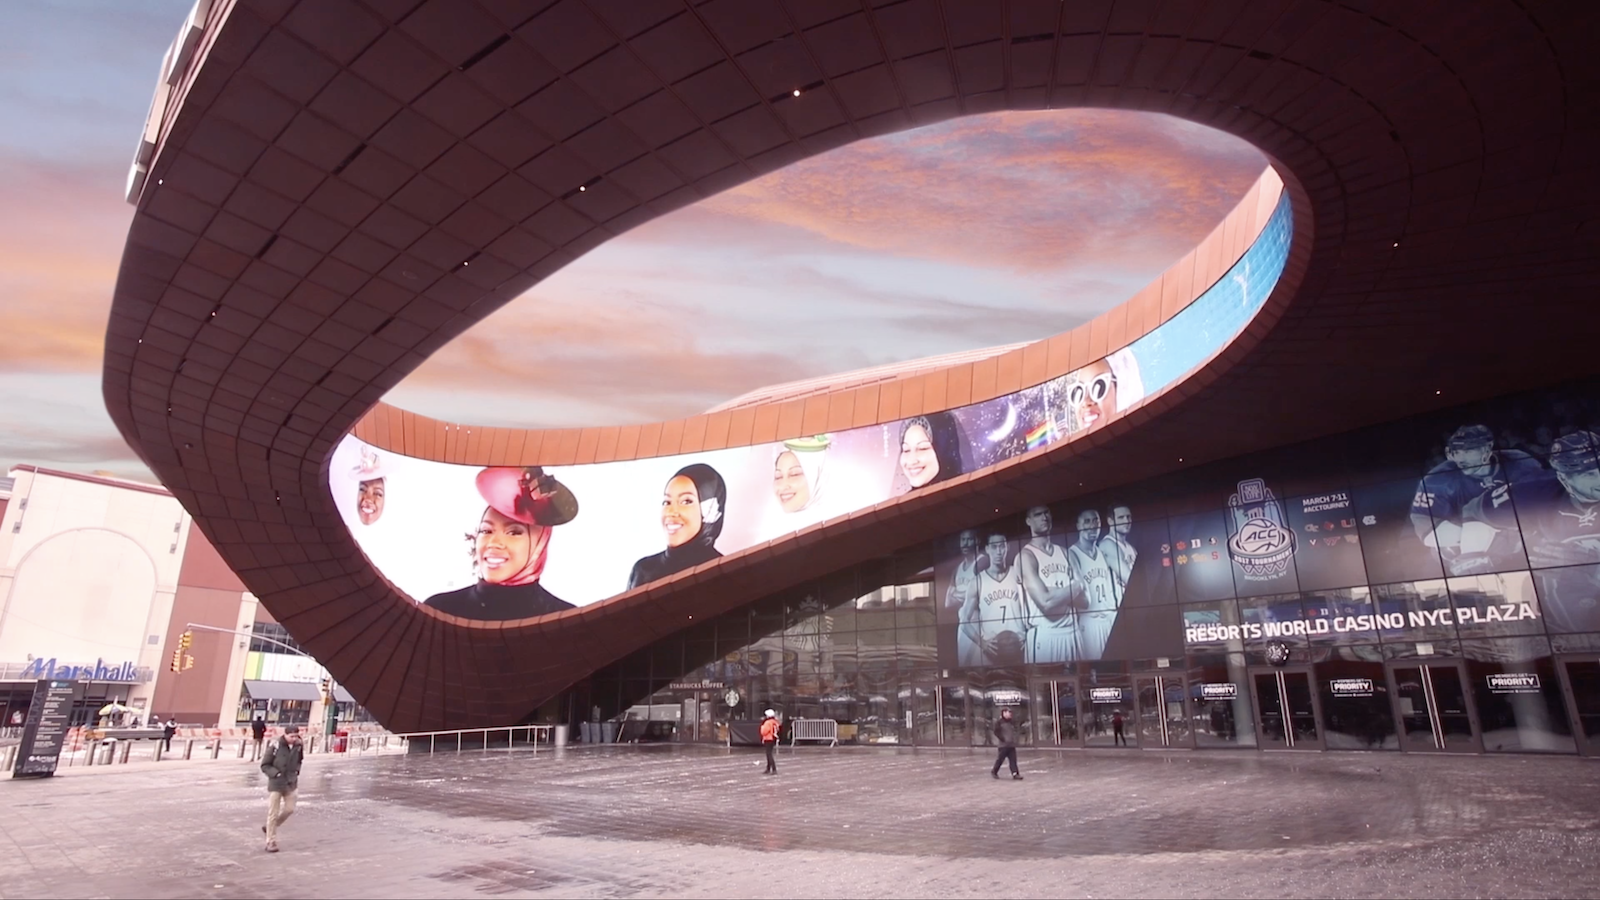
x: 509, y: 549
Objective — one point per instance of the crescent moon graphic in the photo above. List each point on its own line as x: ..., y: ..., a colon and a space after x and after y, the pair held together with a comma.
x: 1006, y: 426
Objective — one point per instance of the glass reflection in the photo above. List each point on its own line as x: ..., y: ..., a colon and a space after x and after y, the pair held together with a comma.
x: 1356, y: 711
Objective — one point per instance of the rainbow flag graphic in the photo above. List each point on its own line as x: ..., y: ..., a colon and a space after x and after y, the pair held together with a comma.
x: 1039, y: 437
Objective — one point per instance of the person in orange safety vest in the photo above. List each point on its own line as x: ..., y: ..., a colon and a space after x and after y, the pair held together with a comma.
x: 769, y: 740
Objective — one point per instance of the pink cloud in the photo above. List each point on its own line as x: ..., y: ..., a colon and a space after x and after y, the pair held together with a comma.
x: 1030, y: 191
x: 60, y: 243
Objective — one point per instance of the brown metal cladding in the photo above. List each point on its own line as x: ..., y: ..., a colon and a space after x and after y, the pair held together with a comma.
x: 320, y: 188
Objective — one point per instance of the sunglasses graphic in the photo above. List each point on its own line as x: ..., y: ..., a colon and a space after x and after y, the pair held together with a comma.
x: 1095, y: 390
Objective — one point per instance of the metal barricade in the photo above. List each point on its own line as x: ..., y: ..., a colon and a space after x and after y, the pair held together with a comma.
x: 814, y: 730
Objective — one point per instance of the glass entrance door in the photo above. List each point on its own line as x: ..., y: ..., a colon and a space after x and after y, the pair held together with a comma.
x: 1287, y: 717
x: 699, y: 716
x: 1580, y: 677
x: 1431, y: 705
x: 941, y: 714
x: 1055, y: 713
x: 1581, y: 683
x: 955, y: 714
x: 1107, y: 713
x: 1163, y: 711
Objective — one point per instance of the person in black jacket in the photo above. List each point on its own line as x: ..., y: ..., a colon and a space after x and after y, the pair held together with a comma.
x: 281, y: 765
x: 1005, y: 732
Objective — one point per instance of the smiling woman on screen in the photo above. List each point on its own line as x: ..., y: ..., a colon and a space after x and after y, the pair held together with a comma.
x: 693, y: 505
x: 510, y: 546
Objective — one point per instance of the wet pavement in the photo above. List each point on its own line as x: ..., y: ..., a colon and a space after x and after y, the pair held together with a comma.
x: 846, y: 822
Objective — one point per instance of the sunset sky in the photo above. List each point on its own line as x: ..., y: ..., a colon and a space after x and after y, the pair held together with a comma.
x: 969, y: 233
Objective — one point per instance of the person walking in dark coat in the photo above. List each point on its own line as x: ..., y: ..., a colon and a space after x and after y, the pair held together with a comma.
x: 258, y: 733
x: 1117, y: 735
x: 281, y: 765
x: 167, y: 731
x: 1005, y: 733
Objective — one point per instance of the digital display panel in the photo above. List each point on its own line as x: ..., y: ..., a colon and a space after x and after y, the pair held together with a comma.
x: 514, y: 542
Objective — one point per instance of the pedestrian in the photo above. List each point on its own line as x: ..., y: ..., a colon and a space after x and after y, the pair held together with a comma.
x: 769, y: 740
x: 167, y: 731
x: 258, y: 733
x: 281, y: 765
x: 1116, y: 730
x: 1005, y: 732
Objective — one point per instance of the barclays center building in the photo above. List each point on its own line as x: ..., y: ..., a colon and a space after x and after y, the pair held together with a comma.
x: 1329, y: 483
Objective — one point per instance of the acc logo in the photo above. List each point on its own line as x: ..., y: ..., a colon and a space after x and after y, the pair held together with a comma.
x: 1262, y: 549
x: 1261, y: 545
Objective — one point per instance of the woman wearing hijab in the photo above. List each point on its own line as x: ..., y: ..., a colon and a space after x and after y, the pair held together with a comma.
x: 797, y: 472
x: 930, y: 449
x: 692, y: 508
x: 509, y: 549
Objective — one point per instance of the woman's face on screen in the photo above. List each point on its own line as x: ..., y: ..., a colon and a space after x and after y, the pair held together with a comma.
x: 789, y: 483
x: 917, y: 459
x: 680, y: 511
x: 503, y: 547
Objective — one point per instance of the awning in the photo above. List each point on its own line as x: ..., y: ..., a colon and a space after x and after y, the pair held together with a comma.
x: 283, y: 690
x: 342, y: 695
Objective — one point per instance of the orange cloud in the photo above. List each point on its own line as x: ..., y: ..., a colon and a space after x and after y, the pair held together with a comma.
x: 973, y: 233
x: 1023, y: 190
x: 572, y: 362
x: 60, y: 242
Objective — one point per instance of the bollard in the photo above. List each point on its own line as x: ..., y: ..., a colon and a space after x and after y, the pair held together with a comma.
x: 216, y: 747
x: 127, y: 750
x: 156, y: 755
x: 188, y: 748
x: 560, y: 735
x: 241, y: 748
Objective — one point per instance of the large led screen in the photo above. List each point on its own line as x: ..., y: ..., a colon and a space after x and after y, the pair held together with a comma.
x: 1474, y: 523
x: 515, y: 542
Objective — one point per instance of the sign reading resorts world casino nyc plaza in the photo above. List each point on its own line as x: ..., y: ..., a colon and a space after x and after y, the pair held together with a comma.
x: 1365, y: 622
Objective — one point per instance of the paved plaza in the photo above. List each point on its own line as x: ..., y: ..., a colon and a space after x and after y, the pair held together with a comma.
x: 703, y: 822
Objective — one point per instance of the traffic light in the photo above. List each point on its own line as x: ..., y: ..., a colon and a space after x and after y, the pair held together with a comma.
x: 188, y: 662
x: 177, y: 661
x: 327, y: 690
x: 185, y: 640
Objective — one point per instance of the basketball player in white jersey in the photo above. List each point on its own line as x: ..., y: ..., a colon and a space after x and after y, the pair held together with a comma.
x: 961, y: 597
x: 1093, y: 576
x: 1119, y: 554
x: 1051, y: 591
x: 1002, y: 611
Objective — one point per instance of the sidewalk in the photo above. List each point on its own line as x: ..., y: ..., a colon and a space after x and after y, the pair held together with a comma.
x: 143, y: 752
x: 614, y: 821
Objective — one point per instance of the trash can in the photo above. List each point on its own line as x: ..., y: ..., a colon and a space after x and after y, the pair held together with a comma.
x: 608, y: 732
x: 560, y: 735
x: 585, y: 733
x: 341, y: 741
